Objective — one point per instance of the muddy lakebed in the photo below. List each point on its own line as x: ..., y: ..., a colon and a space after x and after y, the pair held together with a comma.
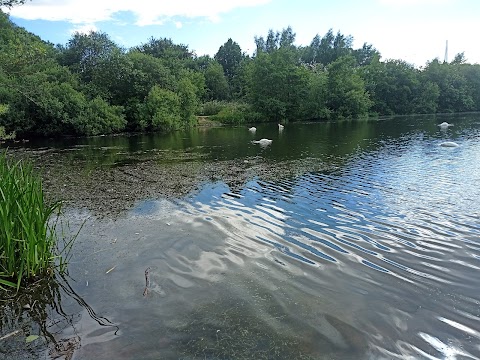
x: 346, y: 240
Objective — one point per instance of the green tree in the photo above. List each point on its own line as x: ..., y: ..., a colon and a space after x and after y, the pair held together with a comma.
x: 99, y: 117
x: 148, y: 71
x: 346, y: 94
x: 397, y: 87
x: 471, y: 73
x: 426, y: 100
x: 314, y: 104
x: 197, y: 79
x: 175, y: 56
x: 275, y: 41
x: 324, y: 50
x: 277, y: 85
x: 240, y: 83
x: 161, y: 110
x: 165, y: 48
x: 188, y: 101
x: 201, y: 63
x: 459, y: 59
x: 21, y: 50
x: 366, y: 54
x: 60, y: 109
x: 216, y: 82
x: 230, y: 56
x: 84, y: 53
x: 44, y: 97
x: 455, y: 94
x: 3, y: 133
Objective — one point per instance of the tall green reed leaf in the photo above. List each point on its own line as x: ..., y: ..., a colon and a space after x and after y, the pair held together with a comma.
x: 28, y: 241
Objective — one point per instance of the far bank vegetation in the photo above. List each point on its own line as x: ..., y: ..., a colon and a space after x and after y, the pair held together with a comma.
x: 92, y: 86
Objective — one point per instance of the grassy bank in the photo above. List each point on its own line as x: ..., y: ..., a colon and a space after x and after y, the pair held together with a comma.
x: 28, y: 242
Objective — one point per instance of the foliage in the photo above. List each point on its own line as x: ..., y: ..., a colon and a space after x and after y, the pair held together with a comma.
x: 237, y: 113
x: 84, y: 53
x: 314, y: 105
x: 161, y: 110
x: 98, y: 117
x: 175, y: 56
x: 325, y: 50
x: 346, y: 95
x: 11, y: 3
x: 471, y: 73
x: 277, y: 85
x: 216, y: 82
x: 275, y: 41
x: 27, y: 240
x: 230, y: 56
x: 366, y: 54
x: 92, y: 86
x: 188, y: 101
x: 455, y: 89
x: 3, y: 134
x: 165, y: 49
x: 211, y: 107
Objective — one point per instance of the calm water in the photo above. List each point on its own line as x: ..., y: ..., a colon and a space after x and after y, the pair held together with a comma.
x: 351, y: 240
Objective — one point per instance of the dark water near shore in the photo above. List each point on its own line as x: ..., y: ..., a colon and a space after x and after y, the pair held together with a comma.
x: 349, y: 240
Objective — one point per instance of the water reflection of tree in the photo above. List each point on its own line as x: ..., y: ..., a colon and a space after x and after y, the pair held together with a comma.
x: 40, y: 311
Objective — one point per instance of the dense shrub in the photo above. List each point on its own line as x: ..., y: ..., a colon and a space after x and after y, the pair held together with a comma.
x: 211, y: 107
x: 237, y: 113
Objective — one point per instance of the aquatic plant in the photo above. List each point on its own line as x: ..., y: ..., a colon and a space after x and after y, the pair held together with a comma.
x: 28, y: 241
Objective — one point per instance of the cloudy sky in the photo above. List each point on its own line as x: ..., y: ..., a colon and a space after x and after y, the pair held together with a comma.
x: 411, y: 30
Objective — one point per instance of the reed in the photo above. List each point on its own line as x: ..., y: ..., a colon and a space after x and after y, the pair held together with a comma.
x: 28, y: 241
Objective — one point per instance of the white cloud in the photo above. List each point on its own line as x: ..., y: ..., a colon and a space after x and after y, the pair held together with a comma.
x: 147, y: 12
x: 84, y: 29
x: 421, y: 41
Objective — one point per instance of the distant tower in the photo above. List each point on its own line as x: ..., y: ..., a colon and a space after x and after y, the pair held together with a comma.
x: 445, y: 60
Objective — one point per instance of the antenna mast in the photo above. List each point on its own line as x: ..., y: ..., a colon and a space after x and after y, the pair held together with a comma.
x: 445, y: 60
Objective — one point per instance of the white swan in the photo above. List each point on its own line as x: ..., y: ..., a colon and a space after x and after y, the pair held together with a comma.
x: 444, y: 125
x: 252, y: 129
x: 263, y: 142
x: 449, y: 144
x: 280, y: 127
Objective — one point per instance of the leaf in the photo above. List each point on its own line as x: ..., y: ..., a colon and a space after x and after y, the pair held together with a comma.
x: 31, y: 338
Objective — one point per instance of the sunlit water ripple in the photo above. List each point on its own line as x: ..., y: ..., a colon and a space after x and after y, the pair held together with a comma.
x: 397, y: 227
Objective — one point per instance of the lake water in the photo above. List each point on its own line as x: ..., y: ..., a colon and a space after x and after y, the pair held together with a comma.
x: 348, y: 240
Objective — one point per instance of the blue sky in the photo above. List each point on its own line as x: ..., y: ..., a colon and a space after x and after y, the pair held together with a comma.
x: 411, y: 30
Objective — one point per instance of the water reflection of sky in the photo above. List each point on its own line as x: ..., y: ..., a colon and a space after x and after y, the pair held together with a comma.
x: 373, y: 258
x: 390, y: 224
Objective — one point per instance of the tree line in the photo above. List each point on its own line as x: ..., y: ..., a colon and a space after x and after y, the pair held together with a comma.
x: 93, y: 86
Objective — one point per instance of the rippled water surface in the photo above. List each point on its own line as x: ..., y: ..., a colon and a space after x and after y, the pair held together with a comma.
x: 355, y: 240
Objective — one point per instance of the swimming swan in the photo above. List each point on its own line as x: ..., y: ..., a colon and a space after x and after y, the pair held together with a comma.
x: 252, y: 129
x: 444, y: 125
x: 262, y: 142
x: 280, y: 127
x: 449, y: 144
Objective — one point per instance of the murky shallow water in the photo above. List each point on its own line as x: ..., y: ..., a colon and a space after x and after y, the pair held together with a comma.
x: 366, y: 246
